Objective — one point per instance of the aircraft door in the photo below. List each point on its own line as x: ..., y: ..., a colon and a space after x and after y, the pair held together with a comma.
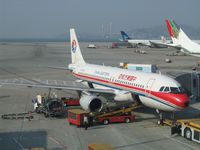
x: 149, y: 86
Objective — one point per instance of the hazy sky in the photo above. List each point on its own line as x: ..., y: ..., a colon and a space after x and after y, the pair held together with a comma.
x: 52, y: 18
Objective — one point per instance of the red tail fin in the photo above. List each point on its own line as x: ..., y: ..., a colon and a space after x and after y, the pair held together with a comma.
x: 171, y: 33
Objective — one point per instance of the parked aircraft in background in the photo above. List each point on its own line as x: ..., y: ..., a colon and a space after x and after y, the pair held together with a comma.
x: 132, y: 41
x: 181, y: 40
x: 149, y: 43
x: 160, y: 44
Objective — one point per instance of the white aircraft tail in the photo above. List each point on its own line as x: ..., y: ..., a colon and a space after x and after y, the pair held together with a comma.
x: 180, y: 38
x: 76, y: 55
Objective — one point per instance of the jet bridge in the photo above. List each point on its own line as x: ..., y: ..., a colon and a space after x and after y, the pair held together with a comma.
x: 192, y: 86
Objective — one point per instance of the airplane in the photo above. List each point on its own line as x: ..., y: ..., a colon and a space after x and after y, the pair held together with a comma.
x: 153, y: 90
x: 134, y: 42
x: 181, y: 40
x: 149, y: 43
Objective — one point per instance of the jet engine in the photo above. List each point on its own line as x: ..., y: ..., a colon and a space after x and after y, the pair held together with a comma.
x: 91, y: 102
x: 123, y: 97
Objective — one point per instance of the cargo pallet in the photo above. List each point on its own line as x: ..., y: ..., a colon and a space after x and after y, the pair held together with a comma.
x: 28, y: 115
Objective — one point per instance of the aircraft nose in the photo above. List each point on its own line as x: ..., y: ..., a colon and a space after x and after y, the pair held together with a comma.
x: 182, y: 100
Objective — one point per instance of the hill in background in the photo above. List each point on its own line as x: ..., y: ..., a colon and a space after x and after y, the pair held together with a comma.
x: 142, y: 33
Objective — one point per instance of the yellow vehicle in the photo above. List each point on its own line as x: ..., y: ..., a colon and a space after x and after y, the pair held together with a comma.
x: 188, y: 128
x: 99, y: 146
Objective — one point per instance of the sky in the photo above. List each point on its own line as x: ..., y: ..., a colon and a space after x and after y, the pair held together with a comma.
x: 53, y: 18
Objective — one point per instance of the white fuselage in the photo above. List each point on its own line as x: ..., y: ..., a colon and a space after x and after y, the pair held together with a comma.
x: 146, y: 42
x: 146, y: 85
x: 139, y: 42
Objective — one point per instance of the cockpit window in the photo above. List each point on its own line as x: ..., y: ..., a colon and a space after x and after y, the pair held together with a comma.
x: 177, y: 90
x: 174, y: 90
x: 166, y: 89
x: 161, y: 89
x: 181, y: 90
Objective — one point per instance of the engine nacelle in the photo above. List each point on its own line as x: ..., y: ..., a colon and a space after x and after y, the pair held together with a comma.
x: 123, y: 97
x: 91, y: 102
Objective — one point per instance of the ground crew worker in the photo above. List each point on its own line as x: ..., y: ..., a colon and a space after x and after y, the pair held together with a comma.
x: 29, y: 116
x: 54, y: 95
x: 85, y: 120
x: 35, y: 105
x: 39, y: 99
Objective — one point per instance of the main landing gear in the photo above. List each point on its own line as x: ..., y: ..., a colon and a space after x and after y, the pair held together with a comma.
x: 160, y: 117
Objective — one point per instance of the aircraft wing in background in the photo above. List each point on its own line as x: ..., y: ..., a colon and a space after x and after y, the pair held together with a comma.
x: 164, y: 45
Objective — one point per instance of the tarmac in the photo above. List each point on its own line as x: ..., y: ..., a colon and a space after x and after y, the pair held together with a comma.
x: 28, y: 61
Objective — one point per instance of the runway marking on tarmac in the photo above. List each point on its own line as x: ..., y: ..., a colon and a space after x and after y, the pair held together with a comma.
x: 18, y: 143
x: 190, y: 146
x: 57, y: 142
x: 136, y: 142
x: 149, y: 125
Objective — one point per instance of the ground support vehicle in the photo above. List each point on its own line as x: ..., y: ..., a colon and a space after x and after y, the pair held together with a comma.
x: 51, y: 107
x: 100, y: 146
x: 121, y: 115
x: 75, y: 116
x: 70, y: 101
x: 188, y: 128
x: 116, y: 119
x: 27, y: 115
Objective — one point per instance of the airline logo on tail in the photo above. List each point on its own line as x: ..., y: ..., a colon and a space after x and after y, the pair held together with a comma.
x: 76, y: 55
x: 181, y: 40
x: 73, y: 46
x: 173, y: 28
x: 125, y: 36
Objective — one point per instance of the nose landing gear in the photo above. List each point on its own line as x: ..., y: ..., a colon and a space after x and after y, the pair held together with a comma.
x: 160, y: 120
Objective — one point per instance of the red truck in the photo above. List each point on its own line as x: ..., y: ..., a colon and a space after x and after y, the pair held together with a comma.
x: 75, y: 116
x: 115, y: 119
x: 71, y: 101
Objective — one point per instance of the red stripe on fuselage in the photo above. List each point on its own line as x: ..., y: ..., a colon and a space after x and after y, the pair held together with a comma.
x: 109, y: 82
x: 179, y: 100
x: 161, y: 96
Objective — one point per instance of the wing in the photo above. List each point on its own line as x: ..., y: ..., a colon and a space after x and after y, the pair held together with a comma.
x: 55, y: 67
x: 53, y: 84
x: 159, y: 44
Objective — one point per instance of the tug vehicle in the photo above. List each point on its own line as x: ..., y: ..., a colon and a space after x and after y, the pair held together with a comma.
x: 188, y: 128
